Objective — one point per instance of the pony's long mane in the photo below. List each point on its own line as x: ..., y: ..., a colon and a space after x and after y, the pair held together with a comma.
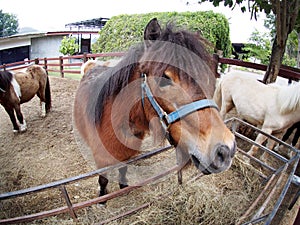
x: 5, y: 80
x: 111, y: 81
x: 169, y: 49
x: 288, y: 98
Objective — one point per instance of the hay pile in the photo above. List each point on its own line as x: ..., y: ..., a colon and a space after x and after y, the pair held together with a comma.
x: 214, y: 199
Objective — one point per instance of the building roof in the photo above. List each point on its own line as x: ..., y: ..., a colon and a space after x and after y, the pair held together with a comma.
x: 93, y: 23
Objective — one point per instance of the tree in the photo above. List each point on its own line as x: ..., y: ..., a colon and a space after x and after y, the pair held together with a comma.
x: 259, y: 47
x: 122, y: 31
x: 68, y: 46
x: 286, y: 13
x: 8, y: 24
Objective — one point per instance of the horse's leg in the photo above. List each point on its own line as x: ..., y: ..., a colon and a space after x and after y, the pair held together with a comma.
x: 12, y: 117
x: 122, y: 177
x: 103, y: 181
x: 270, y: 145
x: 296, y: 136
x: 42, y: 103
x: 227, y: 104
x: 23, y: 126
x: 295, y: 141
x: 259, y: 140
x: 43, y: 109
x: 41, y: 95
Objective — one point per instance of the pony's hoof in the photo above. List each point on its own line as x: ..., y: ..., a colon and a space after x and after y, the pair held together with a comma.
x: 23, y: 127
x: 43, y: 114
x: 15, y: 131
x: 123, y: 186
x: 101, y: 204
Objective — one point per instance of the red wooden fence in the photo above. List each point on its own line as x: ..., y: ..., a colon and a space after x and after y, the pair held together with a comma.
x: 63, y: 65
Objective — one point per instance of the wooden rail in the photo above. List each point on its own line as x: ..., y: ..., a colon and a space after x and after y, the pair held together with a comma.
x: 61, y: 64
x: 64, y: 65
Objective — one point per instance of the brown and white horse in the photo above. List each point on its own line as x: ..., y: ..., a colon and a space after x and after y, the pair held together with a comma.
x: 21, y: 87
x: 166, y: 83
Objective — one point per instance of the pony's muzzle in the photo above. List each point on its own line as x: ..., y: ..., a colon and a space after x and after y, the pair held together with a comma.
x: 220, y: 160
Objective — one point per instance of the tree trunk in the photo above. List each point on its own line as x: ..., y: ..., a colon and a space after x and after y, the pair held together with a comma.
x: 275, y: 61
x: 286, y: 13
x: 298, y: 52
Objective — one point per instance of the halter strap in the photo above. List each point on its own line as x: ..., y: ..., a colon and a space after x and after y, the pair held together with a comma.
x: 167, y: 119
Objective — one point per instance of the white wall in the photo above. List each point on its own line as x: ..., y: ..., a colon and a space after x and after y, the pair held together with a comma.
x: 45, y: 47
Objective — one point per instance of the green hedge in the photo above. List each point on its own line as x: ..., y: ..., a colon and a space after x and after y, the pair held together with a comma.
x: 122, y: 31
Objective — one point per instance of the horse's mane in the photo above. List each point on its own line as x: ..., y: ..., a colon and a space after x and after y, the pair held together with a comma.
x: 5, y: 80
x: 162, y: 51
x: 288, y: 98
x: 111, y: 81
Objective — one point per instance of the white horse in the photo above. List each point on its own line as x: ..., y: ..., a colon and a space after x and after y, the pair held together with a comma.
x: 92, y: 63
x: 273, y: 107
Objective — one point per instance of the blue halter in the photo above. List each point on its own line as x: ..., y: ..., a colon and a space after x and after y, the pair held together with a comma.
x: 167, y: 119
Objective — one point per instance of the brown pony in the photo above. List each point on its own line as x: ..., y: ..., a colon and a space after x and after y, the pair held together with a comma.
x: 165, y: 84
x: 21, y: 87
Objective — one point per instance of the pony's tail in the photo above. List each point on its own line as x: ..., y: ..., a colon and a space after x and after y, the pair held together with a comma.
x: 218, y: 93
x: 48, y: 94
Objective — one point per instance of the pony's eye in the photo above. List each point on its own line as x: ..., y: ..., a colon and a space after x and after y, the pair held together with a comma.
x: 165, y: 81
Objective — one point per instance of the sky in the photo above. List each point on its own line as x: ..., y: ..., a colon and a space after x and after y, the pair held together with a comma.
x: 52, y: 15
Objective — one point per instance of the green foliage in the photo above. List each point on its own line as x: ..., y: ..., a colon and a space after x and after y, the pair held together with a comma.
x: 259, y: 47
x: 68, y: 46
x: 122, y: 31
x: 8, y: 24
x: 254, y: 6
x: 290, y: 56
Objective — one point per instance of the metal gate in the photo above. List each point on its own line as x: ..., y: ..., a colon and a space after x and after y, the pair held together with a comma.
x: 275, y: 179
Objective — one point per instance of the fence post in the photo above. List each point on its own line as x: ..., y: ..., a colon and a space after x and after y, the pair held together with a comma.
x: 85, y: 59
x: 4, y: 67
x: 61, y: 66
x: 216, y: 58
x: 36, y: 61
x: 45, y: 64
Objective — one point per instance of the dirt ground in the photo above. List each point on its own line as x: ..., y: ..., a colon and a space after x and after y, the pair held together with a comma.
x: 48, y: 150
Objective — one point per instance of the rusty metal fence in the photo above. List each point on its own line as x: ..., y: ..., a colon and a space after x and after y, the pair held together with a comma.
x: 276, y: 178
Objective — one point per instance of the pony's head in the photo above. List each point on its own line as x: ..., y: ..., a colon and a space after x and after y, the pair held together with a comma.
x: 178, y: 71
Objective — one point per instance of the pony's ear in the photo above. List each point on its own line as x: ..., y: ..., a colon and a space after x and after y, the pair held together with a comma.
x: 152, y: 32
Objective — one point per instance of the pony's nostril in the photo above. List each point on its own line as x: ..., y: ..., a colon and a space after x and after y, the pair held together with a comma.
x: 222, y: 153
x: 220, y: 156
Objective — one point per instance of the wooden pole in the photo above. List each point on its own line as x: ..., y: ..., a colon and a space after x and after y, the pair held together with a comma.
x: 61, y: 66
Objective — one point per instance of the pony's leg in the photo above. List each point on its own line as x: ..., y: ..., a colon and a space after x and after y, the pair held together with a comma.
x: 43, y: 109
x: 259, y: 139
x: 270, y: 145
x: 23, y: 126
x: 122, y: 177
x: 103, y: 181
x: 295, y: 141
x: 296, y: 136
x: 12, y: 117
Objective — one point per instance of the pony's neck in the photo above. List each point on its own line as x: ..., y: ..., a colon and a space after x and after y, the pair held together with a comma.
x: 289, y: 99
